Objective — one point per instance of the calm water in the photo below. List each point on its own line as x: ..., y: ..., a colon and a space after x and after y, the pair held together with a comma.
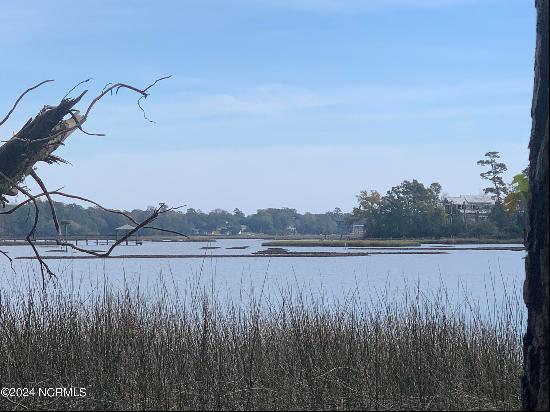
x: 485, y: 276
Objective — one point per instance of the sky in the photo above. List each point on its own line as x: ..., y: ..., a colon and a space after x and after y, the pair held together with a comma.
x: 275, y: 103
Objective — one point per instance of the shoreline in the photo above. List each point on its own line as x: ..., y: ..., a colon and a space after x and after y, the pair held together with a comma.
x: 258, y: 255
x: 387, y: 242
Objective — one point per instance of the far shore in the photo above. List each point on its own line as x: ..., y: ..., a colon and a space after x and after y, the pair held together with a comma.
x: 385, y: 242
x: 256, y: 255
x: 272, y: 240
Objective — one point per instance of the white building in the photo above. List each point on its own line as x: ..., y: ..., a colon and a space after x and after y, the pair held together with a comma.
x: 467, y: 208
x: 358, y: 230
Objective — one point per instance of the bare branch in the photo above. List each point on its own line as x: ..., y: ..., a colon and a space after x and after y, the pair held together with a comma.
x: 59, y: 193
x: 160, y: 210
x: 156, y: 81
x: 117, y: 212
x: 116, y: 86
x: 30, y: 234
x: 75, y: 86
x: 143, y: 110
x: 6, y: 255
x: 52, y: 207
x: 9, y: 259
x: 166, y: 230
x: 36, y: 141
x: 20, y: 97
x: 79, y: 122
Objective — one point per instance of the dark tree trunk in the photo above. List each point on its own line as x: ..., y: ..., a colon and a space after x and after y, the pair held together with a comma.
x: 535, y: 341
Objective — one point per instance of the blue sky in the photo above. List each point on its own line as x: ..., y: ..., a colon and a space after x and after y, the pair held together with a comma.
x: 272, y: 103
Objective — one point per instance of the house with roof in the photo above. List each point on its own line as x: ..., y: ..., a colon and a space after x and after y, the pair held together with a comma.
x: 467, y: 208
x: 357, y: 230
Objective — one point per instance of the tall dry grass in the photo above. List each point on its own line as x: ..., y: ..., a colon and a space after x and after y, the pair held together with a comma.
x: 131, y: 351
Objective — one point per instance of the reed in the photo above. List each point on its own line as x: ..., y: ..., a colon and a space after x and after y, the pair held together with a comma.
x: 131, y: 350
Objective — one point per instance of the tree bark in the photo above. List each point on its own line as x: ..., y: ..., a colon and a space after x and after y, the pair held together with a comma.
x: 535, y: 341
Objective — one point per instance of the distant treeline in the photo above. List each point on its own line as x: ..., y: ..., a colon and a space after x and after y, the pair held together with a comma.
x: 409, y: 210
x: 94, y: 221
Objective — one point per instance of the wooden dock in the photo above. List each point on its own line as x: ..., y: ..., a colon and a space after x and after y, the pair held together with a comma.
x: 77, y: 240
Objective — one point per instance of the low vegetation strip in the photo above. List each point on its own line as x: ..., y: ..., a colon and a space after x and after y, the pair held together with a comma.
x: 340, y: 243
x: 385, y: 242
x: 132, y: 352
x: 472, y: 241
x: 447, y: 248
x: 253, y: 255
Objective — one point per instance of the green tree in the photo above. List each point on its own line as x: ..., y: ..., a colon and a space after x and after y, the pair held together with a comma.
x: 239, y: 216
x: 498, y: 188
x: 413, y: 210
x: 339, y: 218
x: 516, y: 199
x: 407, y: 210
x: 369, y: 213
x: 261, y: 222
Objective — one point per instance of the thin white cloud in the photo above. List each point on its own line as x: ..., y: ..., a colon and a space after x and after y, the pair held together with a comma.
x: 262, y: 103
x: 266, y: 99
x: 460, y: 99
x: 449, y: 112
x: 357, y: 6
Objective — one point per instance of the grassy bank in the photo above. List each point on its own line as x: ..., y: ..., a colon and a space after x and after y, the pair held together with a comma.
x: 132, y: 352
x: 341, y: 243
x: 472, y: 241
x: 384, y: 242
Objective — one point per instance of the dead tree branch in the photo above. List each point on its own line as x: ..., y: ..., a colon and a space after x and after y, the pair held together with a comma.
x: 52, y: 207
x: 30, y: 234
x: 36, y: 142
x: 21, y: 97
x: 44, y: 134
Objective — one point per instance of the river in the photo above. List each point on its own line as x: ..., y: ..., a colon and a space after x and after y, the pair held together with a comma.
x: 487, y: 277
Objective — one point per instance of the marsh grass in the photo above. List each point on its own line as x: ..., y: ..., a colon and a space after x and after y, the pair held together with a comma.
x: 385, y: 242
x: 341, y: 242
x: 133, y: 351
